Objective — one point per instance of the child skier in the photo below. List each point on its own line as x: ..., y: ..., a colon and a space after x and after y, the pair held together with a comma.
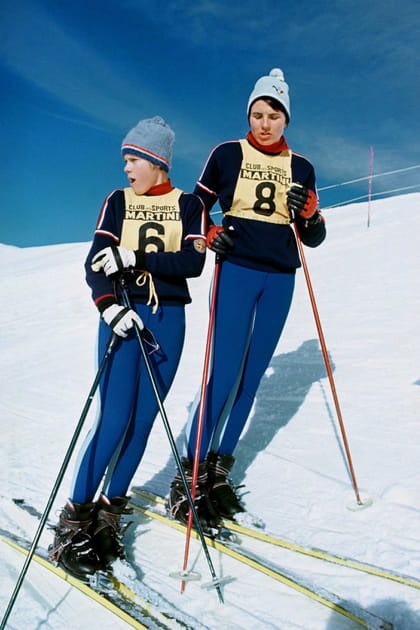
x: 261, y: 186
x: 153, y: 233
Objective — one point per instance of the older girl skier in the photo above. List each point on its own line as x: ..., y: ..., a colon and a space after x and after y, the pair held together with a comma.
x: 261, y: 186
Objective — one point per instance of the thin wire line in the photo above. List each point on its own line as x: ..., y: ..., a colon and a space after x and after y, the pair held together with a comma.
x: 385, y: 192
x: 361, y: 179
x: 353, y: 181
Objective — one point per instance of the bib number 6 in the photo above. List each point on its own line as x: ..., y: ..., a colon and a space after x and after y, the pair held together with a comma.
x: 147, y: 236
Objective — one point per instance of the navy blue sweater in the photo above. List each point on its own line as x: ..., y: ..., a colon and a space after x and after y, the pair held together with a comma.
x: 259, y: 245
x: 169, y: 269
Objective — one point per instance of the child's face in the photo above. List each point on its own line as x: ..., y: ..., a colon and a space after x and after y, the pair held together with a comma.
x: 267, y: 124
x: 141, y: 173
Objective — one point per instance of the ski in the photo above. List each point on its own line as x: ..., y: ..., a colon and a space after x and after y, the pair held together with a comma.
x: 114, y: 603
x: 106, y: 589
x: 348, y: 609
x: 239, y: 530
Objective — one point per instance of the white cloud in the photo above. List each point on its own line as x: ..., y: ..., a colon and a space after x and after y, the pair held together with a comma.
x: 39, y: 49
x: 335, y: 49
x: 381, y: 31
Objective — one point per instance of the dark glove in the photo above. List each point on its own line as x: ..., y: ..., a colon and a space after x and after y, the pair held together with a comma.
x: 301, y: 201
x: 218, y: 240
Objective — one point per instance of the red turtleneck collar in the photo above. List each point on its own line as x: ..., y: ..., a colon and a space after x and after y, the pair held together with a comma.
x: 277, y: 147
x: 160, y: 189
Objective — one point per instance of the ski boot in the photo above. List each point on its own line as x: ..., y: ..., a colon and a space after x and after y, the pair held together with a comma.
x: 107, y: 533
x: 221, y: 492
x: 178, y: 505
x: 72, y: 548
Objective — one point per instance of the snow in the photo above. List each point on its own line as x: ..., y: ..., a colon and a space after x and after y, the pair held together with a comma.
x: 290, y: 457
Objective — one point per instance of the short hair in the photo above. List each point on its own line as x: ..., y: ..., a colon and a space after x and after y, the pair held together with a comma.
x: 278, y: 107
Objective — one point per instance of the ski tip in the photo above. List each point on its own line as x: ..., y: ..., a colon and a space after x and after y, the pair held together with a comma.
x: 186, y: 576
x: 362, y: 504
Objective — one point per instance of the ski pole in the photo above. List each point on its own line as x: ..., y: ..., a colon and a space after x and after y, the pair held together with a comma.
x: 127, y: 303
x: 109, y: 348
x: 202, y: 407
x: 327, y: 364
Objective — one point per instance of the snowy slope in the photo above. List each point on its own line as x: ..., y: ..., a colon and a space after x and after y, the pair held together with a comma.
x: 290, y: 457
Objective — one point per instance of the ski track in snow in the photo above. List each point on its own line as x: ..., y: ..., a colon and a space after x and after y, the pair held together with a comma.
x: 290, y: 457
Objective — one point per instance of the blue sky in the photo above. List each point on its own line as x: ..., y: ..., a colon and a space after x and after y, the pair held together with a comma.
x: 76, y: 76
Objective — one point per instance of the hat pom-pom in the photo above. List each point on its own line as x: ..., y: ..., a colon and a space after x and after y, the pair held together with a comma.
x: 276, y: 72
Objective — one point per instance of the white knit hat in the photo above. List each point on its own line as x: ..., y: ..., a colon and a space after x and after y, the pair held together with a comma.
x: 273, y: 86
x: 151, y: 139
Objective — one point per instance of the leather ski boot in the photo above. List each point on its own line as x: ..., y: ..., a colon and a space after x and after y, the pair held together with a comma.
x: 222, y: 493
x: 178, y: 506
x: 108, y: 533
x: 72, y: 548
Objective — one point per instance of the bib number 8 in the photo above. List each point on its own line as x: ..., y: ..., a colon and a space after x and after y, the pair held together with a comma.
x: 265, y: 204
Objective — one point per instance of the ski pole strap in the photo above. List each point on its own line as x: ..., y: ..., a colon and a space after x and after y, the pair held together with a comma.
x: 153, y: 296
x: 150, y: 340
x: 118, y: 317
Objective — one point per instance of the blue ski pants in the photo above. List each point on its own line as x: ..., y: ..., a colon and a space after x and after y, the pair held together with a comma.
x: 128, y: 406
x: 251, y: 310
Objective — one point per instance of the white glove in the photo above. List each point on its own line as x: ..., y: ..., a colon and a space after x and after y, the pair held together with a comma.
x: 121, y: 319
x: 113, y: 259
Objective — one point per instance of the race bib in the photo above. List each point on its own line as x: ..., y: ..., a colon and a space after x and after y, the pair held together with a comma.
x: 152, y: 223
x: 261, y: 187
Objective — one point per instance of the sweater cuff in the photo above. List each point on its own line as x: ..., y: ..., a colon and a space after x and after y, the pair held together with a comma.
x: 315, y: 218
x: 103, y: 303
x: 306, y: 223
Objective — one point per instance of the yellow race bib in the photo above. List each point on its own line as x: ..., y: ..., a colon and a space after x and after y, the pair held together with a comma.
x: 263, y: 181
x: 152, y: 223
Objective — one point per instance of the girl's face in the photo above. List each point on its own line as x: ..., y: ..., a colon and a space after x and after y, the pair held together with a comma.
x: 267, y: 124
x: 142, y: 174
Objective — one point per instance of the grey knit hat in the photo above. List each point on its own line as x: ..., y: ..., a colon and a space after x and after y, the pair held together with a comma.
x: 273, y: 86
x: 151, y: 139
